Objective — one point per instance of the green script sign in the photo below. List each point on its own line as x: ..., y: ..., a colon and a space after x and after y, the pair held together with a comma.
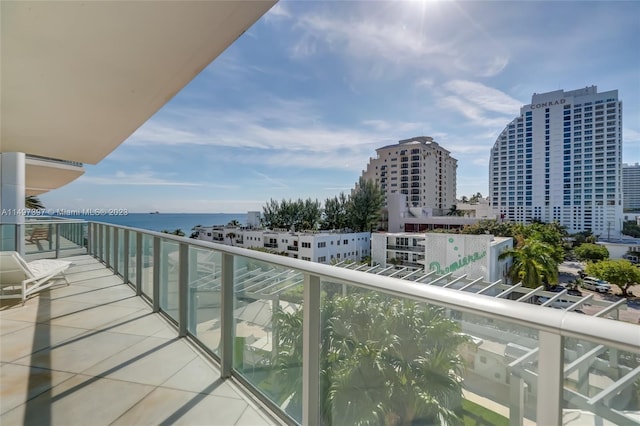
x: 460, y: 263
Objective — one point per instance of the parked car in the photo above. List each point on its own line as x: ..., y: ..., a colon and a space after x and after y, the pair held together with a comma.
x: 558, y: 303
x: 595, y: 284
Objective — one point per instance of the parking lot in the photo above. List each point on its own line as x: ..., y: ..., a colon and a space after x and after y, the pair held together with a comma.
x: 569, y: 273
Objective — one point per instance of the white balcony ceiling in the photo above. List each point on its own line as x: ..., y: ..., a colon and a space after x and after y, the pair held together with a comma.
x: 78, y: 78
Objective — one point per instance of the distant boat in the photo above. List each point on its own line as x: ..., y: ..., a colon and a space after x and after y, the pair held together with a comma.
x: 156, y: 212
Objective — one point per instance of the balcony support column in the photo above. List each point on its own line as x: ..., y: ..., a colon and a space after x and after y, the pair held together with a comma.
x: 311, y: 339
x: 226, y: 317
x: 12, y: 194
x: 550, y: 379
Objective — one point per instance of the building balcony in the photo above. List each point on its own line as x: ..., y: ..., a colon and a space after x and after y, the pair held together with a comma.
x: 292, y: 248
x: 160, y: 329
x: 415, y: 249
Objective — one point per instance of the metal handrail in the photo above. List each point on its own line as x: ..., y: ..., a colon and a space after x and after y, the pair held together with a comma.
x: 625, y: 336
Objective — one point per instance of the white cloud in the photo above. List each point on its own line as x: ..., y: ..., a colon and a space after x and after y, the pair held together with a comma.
x: 136, y: 179
x: 277, y: 132
x: 474, y: 113
x: 485, y: 97
x: 397, y: 41
x: 279, y: 11
x: 396, y: 127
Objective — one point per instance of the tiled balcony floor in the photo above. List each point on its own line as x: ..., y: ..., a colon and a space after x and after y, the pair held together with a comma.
x: 94, y: 353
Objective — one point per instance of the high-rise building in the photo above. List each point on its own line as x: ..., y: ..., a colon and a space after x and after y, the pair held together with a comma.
x: 417, y: 167
x: 560, y: 160
x: 631, y: 186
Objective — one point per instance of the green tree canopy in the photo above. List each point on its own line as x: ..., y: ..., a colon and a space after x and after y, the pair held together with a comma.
x: 365, y: 205
x: 177, y: 232
x: 619, y: 272
x: 299, y: 214
x: 592, y: 252
x: 384, y: 361
x: 631, y: 228
x: 335, y: 213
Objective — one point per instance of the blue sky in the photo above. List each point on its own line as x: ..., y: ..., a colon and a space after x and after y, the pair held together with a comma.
x: 297, y: 105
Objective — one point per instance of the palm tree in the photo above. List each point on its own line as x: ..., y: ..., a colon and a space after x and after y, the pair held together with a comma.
x: 32, y: 202
x: 384, y: 361
x: 234, y: 223
x: 453, y: 211
x: 534, y: 263
x: 232, y: 236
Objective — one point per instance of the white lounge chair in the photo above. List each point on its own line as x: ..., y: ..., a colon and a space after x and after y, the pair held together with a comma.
x: 20, y: 279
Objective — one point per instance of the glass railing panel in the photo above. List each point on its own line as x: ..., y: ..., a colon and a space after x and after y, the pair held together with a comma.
x: 204, y: 293
x: 120, y: 251
x: 601, y: 384
x: 169, y: 276
x: 72, y: 235
x: 147, y: 265
x: 7, y: 237
x: 39, y: 237
x: 133, y: 237
x: 388, y: 360
x: 268, y: 331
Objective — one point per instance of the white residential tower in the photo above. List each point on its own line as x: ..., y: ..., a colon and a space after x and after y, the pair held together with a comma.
x: 560, y: 160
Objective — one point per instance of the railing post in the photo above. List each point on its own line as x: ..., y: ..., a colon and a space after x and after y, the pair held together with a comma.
x: 101, y: 243
x: 226, y: 317
x: 139, y: 265
x: 116, y: 246
x: 107, y: 255
x: 311, y: 351
x: 50, y: 229
x: 516, y: 400
x: 183, y: 289
x: 550, y: 379
x: 90, y: 243
x: 57, y: 227
x: 125, y: 253
x: 156, y: 274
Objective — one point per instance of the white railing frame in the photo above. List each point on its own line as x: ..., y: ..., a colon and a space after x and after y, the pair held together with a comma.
x: 552, y: 325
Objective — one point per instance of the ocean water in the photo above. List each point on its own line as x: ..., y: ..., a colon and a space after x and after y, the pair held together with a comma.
x: 167, y: 221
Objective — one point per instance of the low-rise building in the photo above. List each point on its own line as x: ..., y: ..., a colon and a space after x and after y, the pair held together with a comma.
x: 399, y: 217
x: 314, y: 246
x: 475, y: 256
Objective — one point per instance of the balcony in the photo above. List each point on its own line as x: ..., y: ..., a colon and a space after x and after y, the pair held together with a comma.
x: 415, y: 249
x: 256, y: 321
x: 94, y: 353
x: 292, y: 248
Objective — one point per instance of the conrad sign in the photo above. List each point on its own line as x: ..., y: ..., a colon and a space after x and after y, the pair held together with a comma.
x: 547, y: 104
